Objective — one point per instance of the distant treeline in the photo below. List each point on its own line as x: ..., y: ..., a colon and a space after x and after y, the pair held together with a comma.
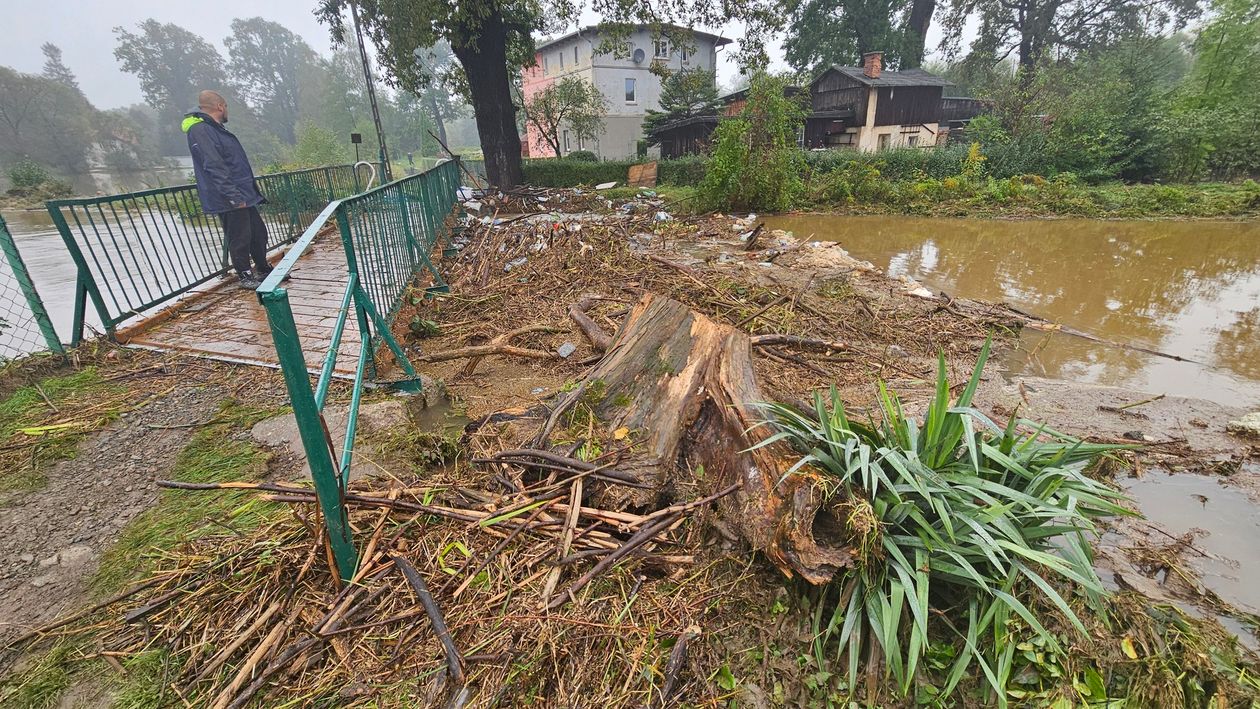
x: 288, y: 104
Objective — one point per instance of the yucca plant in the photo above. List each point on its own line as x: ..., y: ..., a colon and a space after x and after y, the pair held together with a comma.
x: 954, y: 521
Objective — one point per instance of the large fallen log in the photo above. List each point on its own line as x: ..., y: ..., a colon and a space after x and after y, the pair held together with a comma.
x: 683, y: 388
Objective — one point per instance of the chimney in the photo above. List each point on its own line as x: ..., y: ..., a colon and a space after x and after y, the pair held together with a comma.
x: 872, y: 64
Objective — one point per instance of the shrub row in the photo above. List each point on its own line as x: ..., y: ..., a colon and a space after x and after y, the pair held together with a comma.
x: 1001, y: 161
x: 569, y: 172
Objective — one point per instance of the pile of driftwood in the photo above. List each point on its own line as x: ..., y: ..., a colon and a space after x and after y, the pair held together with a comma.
x: 456, y: 586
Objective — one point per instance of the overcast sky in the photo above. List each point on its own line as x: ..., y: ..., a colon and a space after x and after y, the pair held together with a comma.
x: 84, y: 31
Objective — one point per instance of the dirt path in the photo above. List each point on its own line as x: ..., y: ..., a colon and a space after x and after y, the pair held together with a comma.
x: 52, y: 539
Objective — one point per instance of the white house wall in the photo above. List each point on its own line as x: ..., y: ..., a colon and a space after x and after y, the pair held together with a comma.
x: 623, y: 122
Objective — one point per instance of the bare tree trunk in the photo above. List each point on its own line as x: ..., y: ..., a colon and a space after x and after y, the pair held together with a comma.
x: 683, y: 387
x: 486, y: 66
x: 917, y: 25
x: 438, y: 123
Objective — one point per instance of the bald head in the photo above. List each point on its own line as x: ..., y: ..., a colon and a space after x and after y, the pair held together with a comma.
x: 212, y: 104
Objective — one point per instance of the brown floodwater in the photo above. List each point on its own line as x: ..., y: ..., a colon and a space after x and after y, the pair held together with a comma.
x: 1190, y: 289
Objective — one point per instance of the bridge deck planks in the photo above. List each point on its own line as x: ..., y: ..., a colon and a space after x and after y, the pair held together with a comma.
x: 228, y: 323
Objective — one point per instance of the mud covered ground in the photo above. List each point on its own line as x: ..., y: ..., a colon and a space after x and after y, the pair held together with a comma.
x: 750, y: 634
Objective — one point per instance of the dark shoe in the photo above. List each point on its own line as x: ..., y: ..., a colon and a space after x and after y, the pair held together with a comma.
x: 248, y: 280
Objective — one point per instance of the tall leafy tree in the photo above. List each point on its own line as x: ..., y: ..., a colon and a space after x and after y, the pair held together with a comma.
x: 265, y: 62
x: 493, y: 39
x: 826, y: 32
x: 56, y: 69
x: 686, y: 93
x: 172, y: 64
x: 1036, y: 31
x: 43, y: 120
x: 571, y: 103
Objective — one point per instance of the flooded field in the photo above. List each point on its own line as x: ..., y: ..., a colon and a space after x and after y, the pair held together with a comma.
x: 1188, y: 289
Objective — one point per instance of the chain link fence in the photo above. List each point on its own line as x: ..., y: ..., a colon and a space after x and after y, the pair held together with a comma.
x: 24, y: 324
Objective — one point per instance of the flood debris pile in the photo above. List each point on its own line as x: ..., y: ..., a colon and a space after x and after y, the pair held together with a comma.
x: 637, y: 526
x: 526, y: 286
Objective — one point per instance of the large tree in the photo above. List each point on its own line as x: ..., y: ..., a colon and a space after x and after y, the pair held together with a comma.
x: 43, y: 120
x: 570, y: 104
x: 56, y: 69
x: 172, y: 64
x: 1036, y: 31
x: 493, y: 40
x: 266, y: 62
x: 826, y: 32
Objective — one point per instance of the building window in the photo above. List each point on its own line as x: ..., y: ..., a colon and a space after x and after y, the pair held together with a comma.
x: 561, y: 56
x: 662, y: 49
x: 686, y: 54
x: 575, y: 56
x: 546, y: 66
x: 883, y: 140
x: 566, y: 141
x: 581, y: 143
x: 912, y: 140
x: 630, y: 95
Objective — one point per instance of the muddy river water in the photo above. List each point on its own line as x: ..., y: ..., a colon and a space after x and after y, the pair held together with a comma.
x: 1189, y: 289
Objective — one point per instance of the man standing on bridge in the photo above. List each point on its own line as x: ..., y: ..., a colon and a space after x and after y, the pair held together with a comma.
x: 226, y: 187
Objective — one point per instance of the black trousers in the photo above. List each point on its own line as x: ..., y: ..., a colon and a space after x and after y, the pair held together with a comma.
x: 246, y: 238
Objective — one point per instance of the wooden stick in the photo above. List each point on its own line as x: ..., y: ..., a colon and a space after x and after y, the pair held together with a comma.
x: 83, y: 613
x: 761, y: 312
x: 566, y: 539
x: 676, y: 659
x: 751, y: 245
x: 643, y: 536
x: 600, y: 340
x: 797, y: 341
x: 255, y: 657
x: 495, y: 552
x: 223, y: 655
x: 453, y: 661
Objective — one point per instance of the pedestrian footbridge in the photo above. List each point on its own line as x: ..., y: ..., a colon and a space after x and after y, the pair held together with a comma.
x: 155, y: 270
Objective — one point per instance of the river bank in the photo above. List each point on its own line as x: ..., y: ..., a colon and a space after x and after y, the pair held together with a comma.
x: 745, y: 633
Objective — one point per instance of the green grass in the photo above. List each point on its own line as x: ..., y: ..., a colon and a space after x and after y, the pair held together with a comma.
x: 216, y: 453
x: 851, y: 190
x: 23, y: 412
x: 42, y: 682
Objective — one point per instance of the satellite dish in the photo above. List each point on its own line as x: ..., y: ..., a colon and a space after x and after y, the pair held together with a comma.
x: 639, y: 56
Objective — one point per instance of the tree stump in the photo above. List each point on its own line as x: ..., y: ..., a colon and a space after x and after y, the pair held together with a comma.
x: 684, y: 388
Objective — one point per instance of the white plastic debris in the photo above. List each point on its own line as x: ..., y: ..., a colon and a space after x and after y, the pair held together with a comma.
x: 515, y: 263
x: 606, y: 185
x: 663, y: 216
x: 473, y: 205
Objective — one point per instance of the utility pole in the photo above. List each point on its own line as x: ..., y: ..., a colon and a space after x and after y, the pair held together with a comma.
x: 387, y: 174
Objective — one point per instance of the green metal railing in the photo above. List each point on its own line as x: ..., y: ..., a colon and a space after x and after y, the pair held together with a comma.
x: 24, y: 323
x: 138, y: 250
x: 388, y: 234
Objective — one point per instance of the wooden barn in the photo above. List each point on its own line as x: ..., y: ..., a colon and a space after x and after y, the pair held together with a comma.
x: 862, y: 108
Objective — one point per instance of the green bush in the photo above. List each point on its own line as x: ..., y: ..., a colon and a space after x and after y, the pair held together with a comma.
x: 583, y: 155
x: 568, y: 172
x: 755, y: 162
x: 564, y: 172
x: 896, y: 164
x: 686, y: 171
x: 27, y: 175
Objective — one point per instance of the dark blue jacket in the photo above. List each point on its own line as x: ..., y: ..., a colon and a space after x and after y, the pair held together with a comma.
x: 225, y: 180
